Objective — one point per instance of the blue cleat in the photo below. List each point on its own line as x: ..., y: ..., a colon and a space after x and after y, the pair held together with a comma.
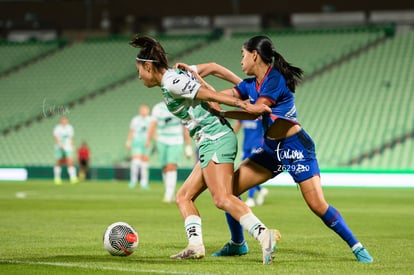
x: 363, y: 255
x: 232, y: 249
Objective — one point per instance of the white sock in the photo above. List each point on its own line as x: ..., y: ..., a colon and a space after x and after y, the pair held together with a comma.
x: 72, y: 172
x: 192, y: 225
x: 253, y: 225
x: 355, y: 246
x: 57, y: 171
x: 170, y: 183
x: 135, y: 164
x: 144, y: 173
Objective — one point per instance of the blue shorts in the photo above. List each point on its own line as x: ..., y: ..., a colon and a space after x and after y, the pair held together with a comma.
x: 295, y: 154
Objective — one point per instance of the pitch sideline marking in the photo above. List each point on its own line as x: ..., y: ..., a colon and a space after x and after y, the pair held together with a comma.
x: 93, y: 267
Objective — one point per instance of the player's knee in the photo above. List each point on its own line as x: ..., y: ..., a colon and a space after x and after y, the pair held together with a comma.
x: 220, y: 201
x: 179, y: 197
x: 318, y: 207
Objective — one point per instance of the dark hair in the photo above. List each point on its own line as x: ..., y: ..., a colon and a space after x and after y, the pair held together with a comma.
x: 264, y: 47
x: 151, y: 51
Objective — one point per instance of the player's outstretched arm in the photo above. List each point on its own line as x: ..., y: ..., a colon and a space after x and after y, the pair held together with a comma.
x: 214, y: 69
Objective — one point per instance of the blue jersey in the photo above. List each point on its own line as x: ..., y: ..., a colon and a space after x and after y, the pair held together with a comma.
x: 273, y: 87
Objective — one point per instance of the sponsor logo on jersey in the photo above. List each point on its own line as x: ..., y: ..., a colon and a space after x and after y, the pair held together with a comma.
x: 288, y: 154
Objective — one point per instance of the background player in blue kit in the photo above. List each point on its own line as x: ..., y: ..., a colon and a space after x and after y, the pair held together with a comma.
x: 287, y: 147
x: 252, y: 141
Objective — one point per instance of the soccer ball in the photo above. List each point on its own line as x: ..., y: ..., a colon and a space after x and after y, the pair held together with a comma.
x: 120, y: 239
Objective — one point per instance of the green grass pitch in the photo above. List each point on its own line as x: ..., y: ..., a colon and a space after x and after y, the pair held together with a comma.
x: 48, y: 229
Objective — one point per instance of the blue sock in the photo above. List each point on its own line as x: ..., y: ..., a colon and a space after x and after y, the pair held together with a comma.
x: 251, y: 192
x: 236, y: 230
x: 333, y: 219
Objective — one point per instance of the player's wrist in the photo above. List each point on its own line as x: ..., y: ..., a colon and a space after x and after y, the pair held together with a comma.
x: 188, y: 150
x: 222, y: 113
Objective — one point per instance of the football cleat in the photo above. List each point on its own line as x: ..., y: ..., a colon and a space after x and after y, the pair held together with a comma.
x: 250, y: 202
x: 232, y: 249
x: 261, y: 196
x: 132, y: 184
x: 190, y: 252
x: 268, y: 244
x: 363, y: 255
x: 167, y: 199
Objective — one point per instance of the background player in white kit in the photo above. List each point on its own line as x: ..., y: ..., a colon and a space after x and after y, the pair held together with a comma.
x: 135, y: 144
x: 63, y: 134
x: 169, y: 134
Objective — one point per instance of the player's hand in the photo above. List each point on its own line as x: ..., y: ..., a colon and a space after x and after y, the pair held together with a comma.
x: 189, y: 151
x: 214, y: 108
x: 182, y: 66
x: 256, y: 109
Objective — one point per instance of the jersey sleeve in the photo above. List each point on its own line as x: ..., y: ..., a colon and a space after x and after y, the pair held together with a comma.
x: 243, y: 88
x: 194, y: 68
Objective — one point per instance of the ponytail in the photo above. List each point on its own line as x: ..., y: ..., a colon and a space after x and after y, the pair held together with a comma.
x: 151, y: 51
x: 292, y: 74
x: 264, y: 47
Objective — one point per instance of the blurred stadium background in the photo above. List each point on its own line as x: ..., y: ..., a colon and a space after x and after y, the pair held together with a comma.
x: 72, y: 58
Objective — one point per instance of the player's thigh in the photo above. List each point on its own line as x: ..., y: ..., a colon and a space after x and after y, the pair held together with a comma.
x: 248, y: 175
x: 193, y: 186
x: 219, y: 178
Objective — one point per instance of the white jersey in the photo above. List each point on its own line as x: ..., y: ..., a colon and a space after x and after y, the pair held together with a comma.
x: 64, y: 135
x: 179, y: 91
x: 169, y: 127
x: 140, y: 126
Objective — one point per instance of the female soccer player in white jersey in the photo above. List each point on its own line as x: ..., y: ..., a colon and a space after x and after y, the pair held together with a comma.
x: 170, y: 136
x: 287, y: 147
x: 187, y: 99
x: 63, y: 134
x: 136, y: 145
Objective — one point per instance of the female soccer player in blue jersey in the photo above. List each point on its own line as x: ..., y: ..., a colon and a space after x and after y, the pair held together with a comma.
x: 187, y: 99
x: 287, y: 147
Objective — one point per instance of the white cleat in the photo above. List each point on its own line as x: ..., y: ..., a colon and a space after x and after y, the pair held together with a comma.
x: 191, y: 252
x: 261, y: 196
x: 268, y: 244
x: 250, y: 202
